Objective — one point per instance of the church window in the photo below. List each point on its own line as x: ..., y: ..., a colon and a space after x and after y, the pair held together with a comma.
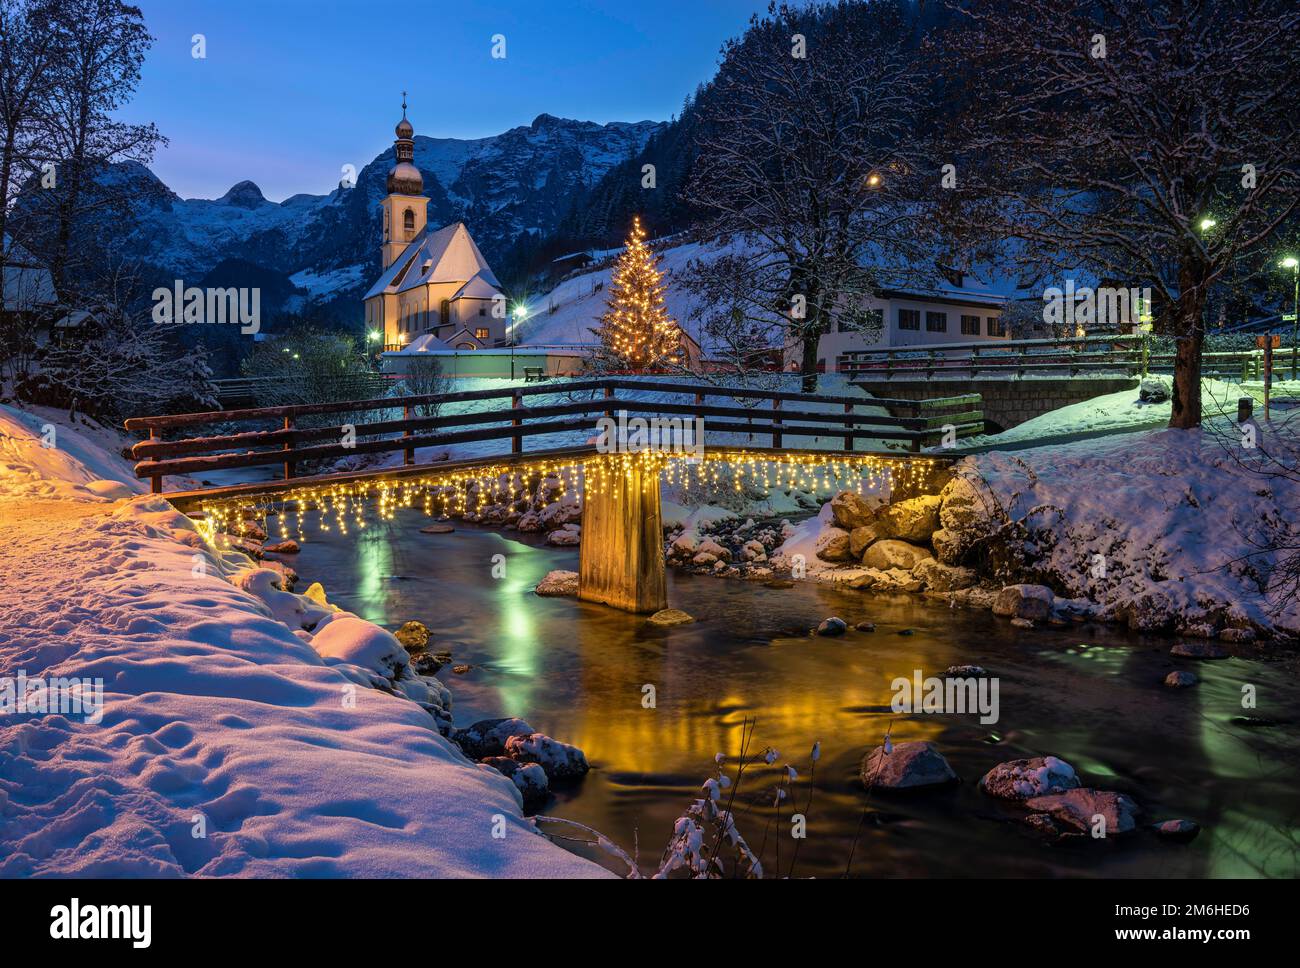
x: 408, y: 220
x: 445, y: 311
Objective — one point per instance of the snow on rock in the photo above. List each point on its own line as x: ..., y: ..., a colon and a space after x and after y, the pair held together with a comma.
x: 559, y: 760
x: 295, y: 611
x: 488, y: 737
x: 213, y: 708
x: 558, y: 584
x: 1032, y: 602
x: 1034, y: 777
x: 347, y: 638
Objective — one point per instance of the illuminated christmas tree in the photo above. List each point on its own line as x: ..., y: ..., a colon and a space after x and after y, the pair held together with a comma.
x: 636, y: 332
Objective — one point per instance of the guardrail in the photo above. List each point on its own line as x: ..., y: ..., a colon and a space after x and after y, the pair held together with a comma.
x: 1069, y: 357
x: 916, y: 422
x: 249, y: 391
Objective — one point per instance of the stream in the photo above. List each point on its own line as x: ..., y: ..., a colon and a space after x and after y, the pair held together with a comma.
x: 1090, y: 694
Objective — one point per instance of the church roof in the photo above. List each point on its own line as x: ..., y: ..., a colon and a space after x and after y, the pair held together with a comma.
x: 447, y: 255
x: 480, y: 287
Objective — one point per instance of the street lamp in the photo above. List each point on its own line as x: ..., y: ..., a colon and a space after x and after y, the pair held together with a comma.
x: 1292, y: 263
x: 1207, y: 224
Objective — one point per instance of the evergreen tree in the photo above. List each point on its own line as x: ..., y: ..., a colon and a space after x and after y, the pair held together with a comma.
x: 636, y: 332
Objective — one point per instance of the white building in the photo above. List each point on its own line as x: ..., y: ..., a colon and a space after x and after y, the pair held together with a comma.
x: 434, y: 283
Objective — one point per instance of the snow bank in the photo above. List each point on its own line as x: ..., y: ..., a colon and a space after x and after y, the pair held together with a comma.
x: 43, y: 456
x: 1175, y: 517
x: 227, y: 745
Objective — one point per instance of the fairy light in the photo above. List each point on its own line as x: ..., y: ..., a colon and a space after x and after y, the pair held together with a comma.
x: 636, y: 327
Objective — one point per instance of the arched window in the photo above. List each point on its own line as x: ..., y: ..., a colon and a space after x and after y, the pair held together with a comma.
x: 408, y: 220
x: 445, y: 311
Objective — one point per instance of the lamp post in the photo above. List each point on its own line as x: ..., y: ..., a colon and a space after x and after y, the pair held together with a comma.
x: 1292, y: 263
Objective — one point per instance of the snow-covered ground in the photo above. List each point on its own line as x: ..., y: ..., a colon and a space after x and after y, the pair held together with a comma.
x: 227, y: 744
x: 1117, y: 412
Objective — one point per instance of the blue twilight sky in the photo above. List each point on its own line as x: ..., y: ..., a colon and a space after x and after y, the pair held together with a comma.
x: 291, y: 90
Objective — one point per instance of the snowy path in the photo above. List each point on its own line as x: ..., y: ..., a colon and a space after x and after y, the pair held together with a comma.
x: 227, y: 746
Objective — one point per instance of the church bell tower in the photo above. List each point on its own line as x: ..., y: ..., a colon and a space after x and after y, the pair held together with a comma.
x: 406, y: 208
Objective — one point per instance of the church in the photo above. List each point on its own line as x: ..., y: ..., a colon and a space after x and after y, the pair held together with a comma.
x: 436, y: 290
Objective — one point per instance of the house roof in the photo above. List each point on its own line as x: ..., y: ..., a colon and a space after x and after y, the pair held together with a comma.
x: 27, y: 283
x: 447, y: 255
x: 480, y: 287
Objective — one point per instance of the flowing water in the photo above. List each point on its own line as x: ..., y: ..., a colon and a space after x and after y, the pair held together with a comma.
x: 1092, y: 695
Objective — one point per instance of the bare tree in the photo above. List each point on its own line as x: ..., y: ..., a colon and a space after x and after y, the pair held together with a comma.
x: 1152, y: 142
x: 807, y: 166
x: 99, y: 45
x: 26, y: 71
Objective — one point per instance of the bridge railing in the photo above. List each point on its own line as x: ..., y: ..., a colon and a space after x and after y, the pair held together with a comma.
x: 1073, y: 356
x: 776, y: 415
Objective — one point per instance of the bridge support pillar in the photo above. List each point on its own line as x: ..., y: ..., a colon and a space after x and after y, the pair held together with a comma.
x: 621, y: 555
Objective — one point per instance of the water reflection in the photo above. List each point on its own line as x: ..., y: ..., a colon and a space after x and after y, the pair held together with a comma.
x: 1090, y: 695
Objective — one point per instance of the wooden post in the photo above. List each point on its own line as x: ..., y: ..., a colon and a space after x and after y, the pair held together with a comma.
x: 621, y: 556
x: 609, y: 395
x: 517, y: 441
x: 1268, y: 370
x: 848, y: 438
x: 288, y: 445
x: 155, y: 482
x: 776, y: 423
x: 408, y: 454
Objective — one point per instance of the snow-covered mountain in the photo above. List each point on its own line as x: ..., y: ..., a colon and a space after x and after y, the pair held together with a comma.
x: 522, y: 181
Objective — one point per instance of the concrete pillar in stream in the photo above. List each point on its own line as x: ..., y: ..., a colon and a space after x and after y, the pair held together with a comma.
x: 621, y: 555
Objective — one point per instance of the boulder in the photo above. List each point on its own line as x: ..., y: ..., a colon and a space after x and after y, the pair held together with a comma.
x: 529, y: 522
x: 832, y: 626
x: 1180, y: 830
x: 1181, y: 680
x: 891, y: 553
x: 428, y: 663
x: 944, y: 578
x: 441, y: 529
x: 851, y: 510
x: 710, y: 547
x: 862, y: 538
x: 1199, y: 650
x: 914, y: 519
x: 950, y: 547
x: 1023, y: 779
x: 414, y: 636
x: 1227, y: 635
x: 1154, y: 389
x: 559, y: 760
x: 668, y: 617
x: 1033, y: 602
x: 488, y: 737
x: 908, y: 766
x: 833, y: 545
x: 529, y: 778
x: 753, y: 551
x: 865, y: 626
x: 286, y: 547
x: 565, y: 537
x: 1076, y: 810
x: 558, y: 584
x: 964, y: 507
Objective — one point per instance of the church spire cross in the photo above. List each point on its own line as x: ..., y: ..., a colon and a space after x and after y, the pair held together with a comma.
x: 403, y: 104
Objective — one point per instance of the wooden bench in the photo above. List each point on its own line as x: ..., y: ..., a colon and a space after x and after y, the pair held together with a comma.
x: 534, y: 374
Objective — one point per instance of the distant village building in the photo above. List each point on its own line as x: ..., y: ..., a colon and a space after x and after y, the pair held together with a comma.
x: 436, y: 289
x: 29, y: 294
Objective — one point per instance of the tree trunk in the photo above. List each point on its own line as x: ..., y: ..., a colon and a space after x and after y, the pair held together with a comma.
x: 809, y: 368
x: 1186, y: 409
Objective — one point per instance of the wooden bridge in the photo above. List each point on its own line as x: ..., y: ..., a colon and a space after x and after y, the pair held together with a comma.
x: 621, y: 560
